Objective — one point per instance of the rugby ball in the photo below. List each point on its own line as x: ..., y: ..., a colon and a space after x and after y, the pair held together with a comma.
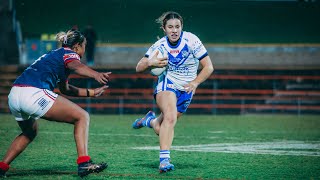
x: 157, y: 71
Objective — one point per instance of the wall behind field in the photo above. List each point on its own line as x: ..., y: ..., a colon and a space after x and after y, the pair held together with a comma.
x: 233, y: 56
x: 128, y: 21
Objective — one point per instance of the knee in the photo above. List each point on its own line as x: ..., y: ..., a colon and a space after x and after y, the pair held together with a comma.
x: 31, y: 134
x: 84, y: 117
x: 170, y: 120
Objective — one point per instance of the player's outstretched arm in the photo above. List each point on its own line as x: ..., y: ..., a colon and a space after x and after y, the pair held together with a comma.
x: 81, y: 69
x: 70, y: 90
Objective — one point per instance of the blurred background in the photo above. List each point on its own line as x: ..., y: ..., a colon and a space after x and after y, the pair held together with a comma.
x: 266, y: 54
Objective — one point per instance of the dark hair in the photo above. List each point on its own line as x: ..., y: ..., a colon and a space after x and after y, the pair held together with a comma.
x: 162, y: 20
x: 70, y: 38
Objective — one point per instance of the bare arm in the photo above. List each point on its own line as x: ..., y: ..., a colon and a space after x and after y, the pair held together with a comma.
x: 142, y: 65
x: 205, y: 72
x: 70, y: 90
x: 84, y: 70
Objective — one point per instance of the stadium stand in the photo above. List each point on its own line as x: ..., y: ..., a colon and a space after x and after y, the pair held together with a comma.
x: 226, y: 92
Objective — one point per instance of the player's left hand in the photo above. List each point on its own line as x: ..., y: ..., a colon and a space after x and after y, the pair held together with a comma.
x: 99, y: 91
x: 191, y: 87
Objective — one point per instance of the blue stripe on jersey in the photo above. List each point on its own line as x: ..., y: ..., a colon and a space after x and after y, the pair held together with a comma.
x: 163, y: 83
x: 203, y: 56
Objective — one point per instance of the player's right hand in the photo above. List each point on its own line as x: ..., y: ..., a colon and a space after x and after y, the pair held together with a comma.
x: 157, y: 62
x: 99, y: 91
x: 102, y: 78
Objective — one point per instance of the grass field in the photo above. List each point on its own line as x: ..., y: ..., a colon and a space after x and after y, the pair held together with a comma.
x: 205, y: 147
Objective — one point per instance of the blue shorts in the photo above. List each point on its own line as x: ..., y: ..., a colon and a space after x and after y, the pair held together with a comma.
x: 183, y: 98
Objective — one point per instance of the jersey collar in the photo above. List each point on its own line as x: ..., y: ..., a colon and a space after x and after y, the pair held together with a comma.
x: 179, y: 41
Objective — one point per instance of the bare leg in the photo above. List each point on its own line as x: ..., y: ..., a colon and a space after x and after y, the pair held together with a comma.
x: 66, y: 111
x: 167, y: 103
x: 156, y: 124
x: 29, y: 132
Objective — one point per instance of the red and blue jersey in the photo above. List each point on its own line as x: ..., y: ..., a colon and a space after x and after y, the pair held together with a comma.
x: 47, y: 71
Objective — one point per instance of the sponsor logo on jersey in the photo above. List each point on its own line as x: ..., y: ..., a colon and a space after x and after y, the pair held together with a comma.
x: 186, y: 104
x: 171, y: 86
x: 71, y: 56
x: 198, y: 49
x: 184, y: 69
x: 184, y: 54
x: 174, y: 60
x: 174, y: 51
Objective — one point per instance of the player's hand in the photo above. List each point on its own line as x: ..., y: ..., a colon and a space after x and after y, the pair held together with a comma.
x: 157, y: 62
x: 102, y: 78
x: 99, y: 91
x: 191, y: 87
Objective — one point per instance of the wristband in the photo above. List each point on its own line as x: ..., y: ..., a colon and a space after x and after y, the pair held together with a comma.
x: 91, y: 92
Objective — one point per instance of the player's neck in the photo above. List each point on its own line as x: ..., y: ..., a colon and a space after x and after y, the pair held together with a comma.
x: 174, y: 43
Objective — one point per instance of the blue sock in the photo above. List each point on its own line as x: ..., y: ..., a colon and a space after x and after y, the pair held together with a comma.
x: 148, y: 122
x: 164, y: 154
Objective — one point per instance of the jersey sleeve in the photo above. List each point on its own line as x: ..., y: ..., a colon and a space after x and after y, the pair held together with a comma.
x: 154, y: 47
x: 70, y: 56
x: 198, y: 48
x: 150, y: 50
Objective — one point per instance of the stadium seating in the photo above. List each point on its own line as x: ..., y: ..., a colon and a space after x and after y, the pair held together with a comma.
x: 225, y: 92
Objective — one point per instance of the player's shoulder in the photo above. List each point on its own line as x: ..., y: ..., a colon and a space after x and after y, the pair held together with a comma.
x: 189, y: 36
x: 64, y: 53
x: 160, y: 42
x: 60, y: 51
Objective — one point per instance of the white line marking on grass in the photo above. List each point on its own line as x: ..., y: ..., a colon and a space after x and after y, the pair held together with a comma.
x: 110, y: 134
x: 216, y: 132
x: 293, y: 148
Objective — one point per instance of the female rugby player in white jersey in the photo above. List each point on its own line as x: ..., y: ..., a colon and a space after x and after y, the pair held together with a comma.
x: 177, y: 84
x: 32, y: 97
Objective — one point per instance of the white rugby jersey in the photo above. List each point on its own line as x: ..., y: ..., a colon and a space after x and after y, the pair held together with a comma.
x: 183, y: 58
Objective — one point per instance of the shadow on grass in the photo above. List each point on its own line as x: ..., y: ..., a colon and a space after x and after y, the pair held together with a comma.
x: 38, y: 172
x: 155, y: 165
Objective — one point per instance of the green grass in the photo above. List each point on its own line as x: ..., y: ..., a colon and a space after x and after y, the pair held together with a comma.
x: 52, y: 155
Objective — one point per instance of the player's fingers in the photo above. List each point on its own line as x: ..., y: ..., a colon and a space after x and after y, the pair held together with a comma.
x: 163, y: 59
x: 189, y: 88
x: 106, y: 74
x: 100, y: 91
x: 104, y: 78
x: 102, y: 81
x: 104, y: 87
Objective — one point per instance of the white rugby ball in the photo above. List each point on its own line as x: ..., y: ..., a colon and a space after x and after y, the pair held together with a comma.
x: 157, y: 71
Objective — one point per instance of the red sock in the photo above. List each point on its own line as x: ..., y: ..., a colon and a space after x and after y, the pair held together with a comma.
x: 4, y: 166
x: 82, y: 159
